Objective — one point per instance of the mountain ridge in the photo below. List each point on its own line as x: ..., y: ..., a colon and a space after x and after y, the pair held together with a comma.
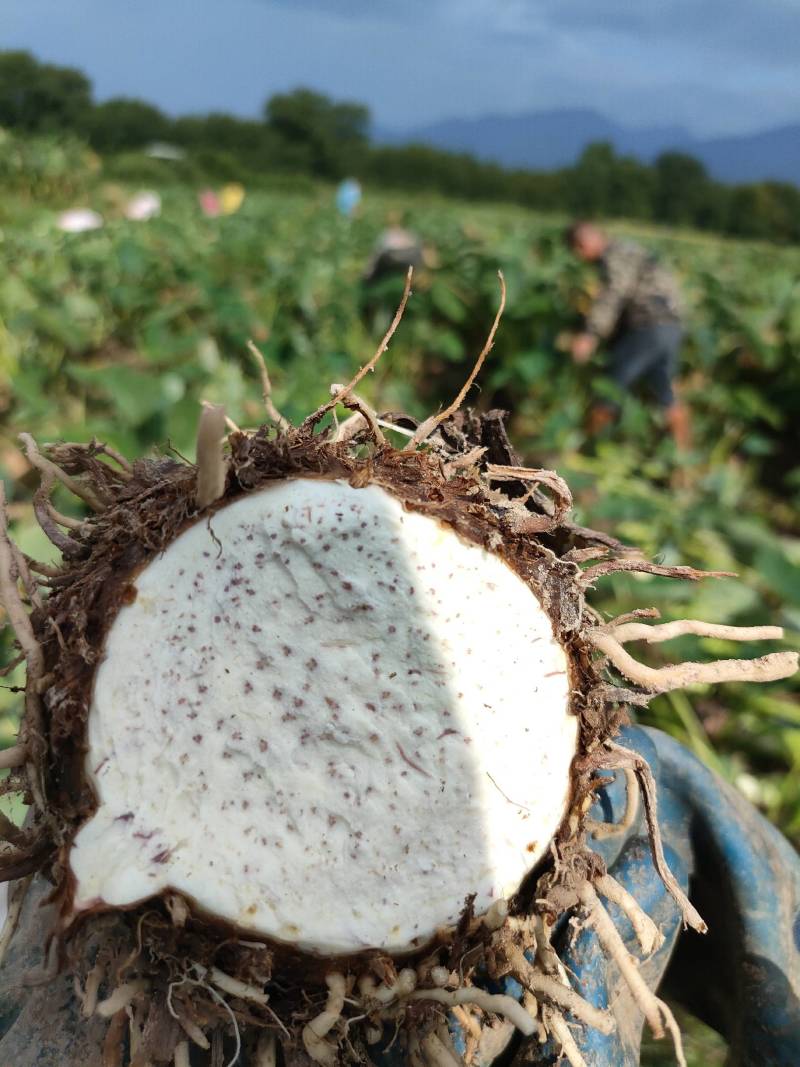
x: 548, y: 140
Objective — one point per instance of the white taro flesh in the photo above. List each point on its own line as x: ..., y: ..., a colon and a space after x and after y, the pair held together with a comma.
x: 327, y: 720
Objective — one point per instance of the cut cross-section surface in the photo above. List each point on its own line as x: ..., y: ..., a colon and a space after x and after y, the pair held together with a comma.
x: 327, y: 720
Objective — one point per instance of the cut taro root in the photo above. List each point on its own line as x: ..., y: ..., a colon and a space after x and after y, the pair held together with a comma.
x: 311, y: 732
x: 327, y: 720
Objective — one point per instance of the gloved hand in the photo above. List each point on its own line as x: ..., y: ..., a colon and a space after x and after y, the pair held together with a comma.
x: 743, y: 976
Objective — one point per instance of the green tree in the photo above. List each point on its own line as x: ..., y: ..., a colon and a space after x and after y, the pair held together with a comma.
x: 768, y: 210
x: 41, y: 97
x: 603, y: 183
x: 683, y: 189
x: 329, y: 136
x: 121, y: 124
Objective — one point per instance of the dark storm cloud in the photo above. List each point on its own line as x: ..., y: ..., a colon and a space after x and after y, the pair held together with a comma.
x: 345, y: 9
x: 714, y: 65
x: 768, y: 29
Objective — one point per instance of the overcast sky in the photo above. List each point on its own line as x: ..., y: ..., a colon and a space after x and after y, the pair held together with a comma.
x: 715, y: 66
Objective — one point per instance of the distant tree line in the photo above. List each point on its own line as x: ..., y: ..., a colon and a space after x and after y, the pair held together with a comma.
x: 306, y: 133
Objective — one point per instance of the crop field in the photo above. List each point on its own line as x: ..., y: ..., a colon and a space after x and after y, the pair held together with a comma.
x: 121, y: 333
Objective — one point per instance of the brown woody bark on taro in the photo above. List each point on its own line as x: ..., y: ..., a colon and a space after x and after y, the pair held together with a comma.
x: 311, y: 732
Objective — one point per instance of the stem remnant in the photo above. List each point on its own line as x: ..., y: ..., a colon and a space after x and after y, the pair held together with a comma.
x: 345, y: 390
x: 212, y: 469
x: 429, y: 425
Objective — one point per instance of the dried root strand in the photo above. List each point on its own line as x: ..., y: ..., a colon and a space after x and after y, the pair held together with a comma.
x: 32, y: 730
x: 655, y: 1011
x: 316, y: 1031
x: 104, y: 449
x: 23, y: 570
x: 90, y: 993
x: 620, y: 757
x: 601, y: 830
x: 49, y: 519
x: 181, y: 1056
x: 12, y: 833
x: 12, y: 757
x: 467, y: 459
x: 437, y: 1054
x: 556, y: 1024
x: 10, y: 596
x: 546, y: 955
x: 562, y: 497
x: 193, y: 1031
x: 113, y: 1041
x: 426, y: 428
x: 647, y: 933
x: 665, y: 631
x: 641, y: 566
x: 471, y: 1029
x: 345, y: 390
x: 266, y: 388
x: 16, y: 899
x: 267, y: 1050
x: 67, y: 521
x: 562, y: 996
x: 467, y: 1021
x: 46, y: 466
x: 496, y: 1003
x: 662, y: 679
x: 44, y: 569
x: 212, y: 469
x: 424, y: 431
x: 364, y: 417
x: 99, y: 448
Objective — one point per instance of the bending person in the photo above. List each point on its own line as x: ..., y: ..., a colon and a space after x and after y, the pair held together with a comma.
x: 639, y: 312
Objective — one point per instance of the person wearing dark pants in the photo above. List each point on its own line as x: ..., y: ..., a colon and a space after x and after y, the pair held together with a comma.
x: 639, y: 313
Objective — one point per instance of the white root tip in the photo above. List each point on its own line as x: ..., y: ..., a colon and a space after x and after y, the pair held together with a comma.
x: 195, y: 1034
x: 231, y: 985
x: 122, y: 996
x: 315, y: 1032
x: 496, y: 916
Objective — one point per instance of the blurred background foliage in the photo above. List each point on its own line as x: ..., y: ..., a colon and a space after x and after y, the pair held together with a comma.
x: 121, y: 332
x: 304, y: 133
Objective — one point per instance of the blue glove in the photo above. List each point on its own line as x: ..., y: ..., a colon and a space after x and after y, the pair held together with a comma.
x: 743, y: 977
